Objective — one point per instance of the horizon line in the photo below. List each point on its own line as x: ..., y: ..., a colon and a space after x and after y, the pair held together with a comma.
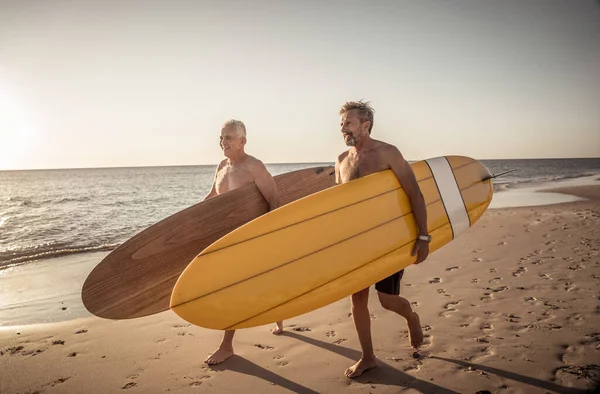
x: 274, y: 163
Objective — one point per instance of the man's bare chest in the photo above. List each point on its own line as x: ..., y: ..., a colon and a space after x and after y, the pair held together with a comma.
x: 230, y: 178
x: 353, y: 167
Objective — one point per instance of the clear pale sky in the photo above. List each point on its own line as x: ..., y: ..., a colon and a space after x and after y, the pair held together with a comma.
x: 148, y: 83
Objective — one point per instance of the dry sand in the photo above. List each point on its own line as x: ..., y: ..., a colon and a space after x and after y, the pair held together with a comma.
x: 509, y: 307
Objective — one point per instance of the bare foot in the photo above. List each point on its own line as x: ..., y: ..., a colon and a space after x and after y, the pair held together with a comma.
x: 278, y: 329
x: 415, y: 336
x: 362, y: 366
x: 222, y: 354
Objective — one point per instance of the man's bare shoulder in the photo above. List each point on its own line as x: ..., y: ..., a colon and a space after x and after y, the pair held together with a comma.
x: 256, y: 166
x: 253, y: 161
x: 388, y: 150
x: 342, y: 156
x: 222, y: 164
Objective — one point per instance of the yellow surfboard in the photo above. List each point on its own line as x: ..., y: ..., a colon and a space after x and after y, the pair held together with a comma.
x: 321, y: 248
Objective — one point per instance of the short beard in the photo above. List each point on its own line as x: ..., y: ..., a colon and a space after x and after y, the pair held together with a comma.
x: 350, y: 141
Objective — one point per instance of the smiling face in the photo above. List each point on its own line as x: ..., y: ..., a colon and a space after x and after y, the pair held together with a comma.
x: 353, y: 129
x: 231, y: 141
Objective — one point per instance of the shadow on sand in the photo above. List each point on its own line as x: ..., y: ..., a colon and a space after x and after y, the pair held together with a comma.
x: 383, y: 374
x: 241, y: 365
x: 519, y: 378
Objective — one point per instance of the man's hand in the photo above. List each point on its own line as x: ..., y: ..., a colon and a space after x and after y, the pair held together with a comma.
x: 421, y: 249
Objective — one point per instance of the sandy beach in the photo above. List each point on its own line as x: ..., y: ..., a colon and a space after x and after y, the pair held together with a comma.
x: 509, y: 307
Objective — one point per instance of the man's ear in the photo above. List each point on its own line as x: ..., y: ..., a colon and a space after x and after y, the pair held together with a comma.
x: 244, y: 140
x: 365, y: 125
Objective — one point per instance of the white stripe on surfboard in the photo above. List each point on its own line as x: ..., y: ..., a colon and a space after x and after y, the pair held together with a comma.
x: 450, y: 194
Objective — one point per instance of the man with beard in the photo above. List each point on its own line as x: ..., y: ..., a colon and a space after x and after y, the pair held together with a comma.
x: 236, y: 170
x: 367, y: 156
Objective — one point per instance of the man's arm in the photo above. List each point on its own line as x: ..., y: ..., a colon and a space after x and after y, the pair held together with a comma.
x: 265, y: 183
x: 408, y: 181
x: 337, y: 170
x: 213, y: 190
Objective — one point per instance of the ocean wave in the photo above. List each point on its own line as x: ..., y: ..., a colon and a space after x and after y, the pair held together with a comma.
x: 511, y: 183
x: 11, y: 258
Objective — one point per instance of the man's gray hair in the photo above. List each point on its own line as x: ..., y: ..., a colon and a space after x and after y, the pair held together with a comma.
x: 238, y: 124
x: 364, y: 109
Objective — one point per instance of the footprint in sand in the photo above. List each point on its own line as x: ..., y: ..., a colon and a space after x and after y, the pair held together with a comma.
x: 452, y: 268
x: 474, y: 280
x: 278, y: 357
x: 575, y: 319
x: 57, y: 381
x: 129, y: 385
x: 157, y: 357
x: 330, y: 334
x: 264, y: 347
x: 198, y: 380
x: 301, y: 329
x: 427, y: 340
x: 512, y: 318
x: 572, y: 374
x: 81, y: 332
x: 486, y: 326
x: 498, y: 289
x: 441, y: 291
x: 477, y: 260
x: 414, y: 303
x: 449, y: 308
x: 283, y: 363
x: 340, y: 341
x: 486, y: 297
x: 58, y: 342
x: 495, y: 280
x: 412, y: 368
x: 493, y: 270
x: 435, y: 280
x: 519, y: 271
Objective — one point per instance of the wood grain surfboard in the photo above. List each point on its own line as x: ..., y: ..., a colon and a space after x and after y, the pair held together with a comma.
x: 136, y: 279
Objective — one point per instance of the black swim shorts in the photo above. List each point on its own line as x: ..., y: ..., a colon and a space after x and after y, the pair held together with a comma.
x: 391, y: 284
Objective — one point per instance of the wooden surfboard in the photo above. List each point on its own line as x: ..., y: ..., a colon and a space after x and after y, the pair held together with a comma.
x: 326, y: 246
x: 137, y: 278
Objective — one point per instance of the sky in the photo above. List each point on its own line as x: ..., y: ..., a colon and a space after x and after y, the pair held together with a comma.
x: 107, y: 83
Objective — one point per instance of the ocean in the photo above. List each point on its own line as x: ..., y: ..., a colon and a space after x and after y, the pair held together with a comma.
x: 51, y: 213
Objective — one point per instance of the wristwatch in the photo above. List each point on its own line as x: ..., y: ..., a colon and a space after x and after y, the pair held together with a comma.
x: 426, y: 238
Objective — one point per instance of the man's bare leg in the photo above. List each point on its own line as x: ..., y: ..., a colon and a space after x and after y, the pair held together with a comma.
x: 278, y: 329
x: 362, y: 323
x: 224, y: 351
x: 402, y: 307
